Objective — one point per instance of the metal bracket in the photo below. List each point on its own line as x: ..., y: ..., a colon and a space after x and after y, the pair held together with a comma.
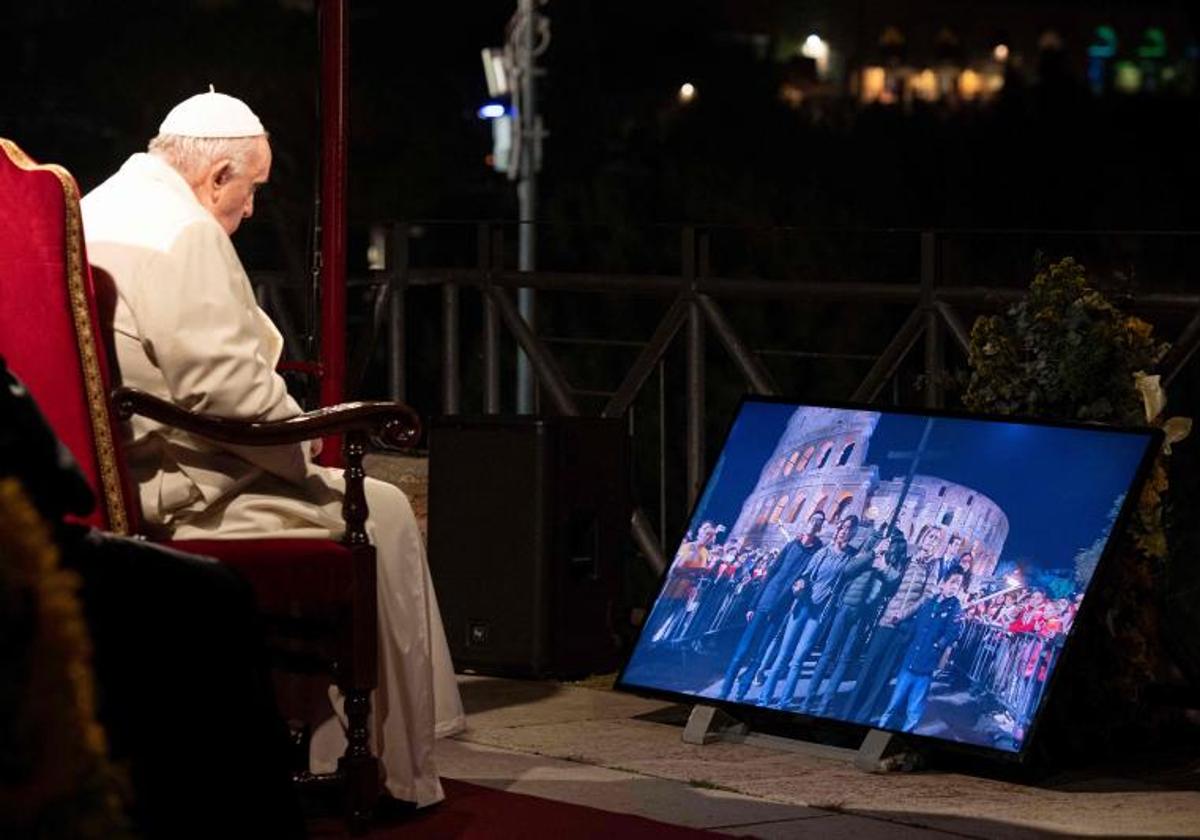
x: 880, y: 752
x: 708, y: 723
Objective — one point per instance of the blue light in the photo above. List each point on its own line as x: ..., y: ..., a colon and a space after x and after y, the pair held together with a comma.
x: 491, y: 111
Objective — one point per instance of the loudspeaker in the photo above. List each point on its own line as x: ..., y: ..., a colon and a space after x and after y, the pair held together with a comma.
x: 528, y: 521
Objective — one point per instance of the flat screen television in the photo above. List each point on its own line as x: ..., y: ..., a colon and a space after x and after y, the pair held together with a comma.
x: 908, y: 571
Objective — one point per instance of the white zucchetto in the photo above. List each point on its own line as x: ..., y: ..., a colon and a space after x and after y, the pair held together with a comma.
x: 212, y: 114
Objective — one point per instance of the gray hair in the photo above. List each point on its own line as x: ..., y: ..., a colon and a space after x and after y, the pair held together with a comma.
x: 191, y: 156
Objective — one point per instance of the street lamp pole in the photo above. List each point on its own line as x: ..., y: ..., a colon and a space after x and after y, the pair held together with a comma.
x: 527, y: 187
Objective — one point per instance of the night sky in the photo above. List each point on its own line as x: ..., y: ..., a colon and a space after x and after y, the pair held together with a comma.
x: 1056, y: 485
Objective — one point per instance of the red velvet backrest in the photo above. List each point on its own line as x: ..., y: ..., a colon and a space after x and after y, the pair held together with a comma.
x: 48, y: 322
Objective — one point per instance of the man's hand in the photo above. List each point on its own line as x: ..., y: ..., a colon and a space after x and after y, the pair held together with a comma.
x: 315, y: 446
x: 798, y: 586
x: 749, y: 615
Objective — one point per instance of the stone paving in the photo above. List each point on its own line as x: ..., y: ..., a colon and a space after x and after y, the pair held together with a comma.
x: 591, y: 747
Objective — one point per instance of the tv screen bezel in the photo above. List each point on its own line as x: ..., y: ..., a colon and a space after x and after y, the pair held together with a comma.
x: 782, y: 718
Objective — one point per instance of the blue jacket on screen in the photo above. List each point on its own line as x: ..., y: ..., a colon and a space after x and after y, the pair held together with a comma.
x: 935, y: 628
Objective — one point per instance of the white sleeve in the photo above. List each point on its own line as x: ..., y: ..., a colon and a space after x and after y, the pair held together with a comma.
x: 199, y: 328
x: 198, y: 323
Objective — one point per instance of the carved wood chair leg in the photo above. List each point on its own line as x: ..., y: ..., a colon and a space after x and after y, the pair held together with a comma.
x: 359, y: 766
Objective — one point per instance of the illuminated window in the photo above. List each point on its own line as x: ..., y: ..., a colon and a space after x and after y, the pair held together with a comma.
x: 874, y: 84
x: 841, y: 508
x: 778, y: 510
x: 795, y: 511
x: 924, y: 85
x: 804, y: 459
x: 818, y: 505
x: 791, y: 463
x: 764, y: 509
x: 970, y: 85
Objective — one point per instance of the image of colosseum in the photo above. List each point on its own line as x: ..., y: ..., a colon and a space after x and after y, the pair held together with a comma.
x: 820, y: 463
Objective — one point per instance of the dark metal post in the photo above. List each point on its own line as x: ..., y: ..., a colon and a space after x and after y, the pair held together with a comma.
x: 662, y: 454
x: 334, y: 34
x: 397, y: 262
x: 695, y: 373
x: 451, y: 386
x: 646, y: 541
x: 489, y: 258
x: 756, y: 373
x: 651, y: 354
x: 891, y: 357
x: 934, y: 350
x: 544, y: 363
x: 957, y: 329
x: 1182, y: 352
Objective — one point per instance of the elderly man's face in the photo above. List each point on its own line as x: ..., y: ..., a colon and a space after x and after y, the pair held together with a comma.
x: 230, y: 198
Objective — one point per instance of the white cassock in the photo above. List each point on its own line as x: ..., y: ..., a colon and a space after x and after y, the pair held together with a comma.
x: 187, y: 328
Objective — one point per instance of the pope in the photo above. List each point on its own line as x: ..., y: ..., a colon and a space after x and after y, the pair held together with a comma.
x: 187, y: 329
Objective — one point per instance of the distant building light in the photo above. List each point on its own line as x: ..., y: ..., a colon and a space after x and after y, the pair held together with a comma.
x: 492, y: 111
x: 1154, y: 44
x: 1000, y: 53
x: 970, y: 85
x: 924, y: 85
x: 817, y: 48
x: 1127, y: 77
x: 687, y: 92
x: 1050, y: 40
x: 1106, y: 43
x: 874, y: 85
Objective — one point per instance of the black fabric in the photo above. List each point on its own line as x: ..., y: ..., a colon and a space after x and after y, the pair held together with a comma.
x: 30, y: 451
x: 184, y: 689
x: 182, y: 678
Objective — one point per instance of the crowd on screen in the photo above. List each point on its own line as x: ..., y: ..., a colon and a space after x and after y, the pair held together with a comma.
x: 849, y: 603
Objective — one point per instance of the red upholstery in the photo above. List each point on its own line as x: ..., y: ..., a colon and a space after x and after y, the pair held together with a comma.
x: 287, y: 575
x: 41, y: 317
x: 54, y: 326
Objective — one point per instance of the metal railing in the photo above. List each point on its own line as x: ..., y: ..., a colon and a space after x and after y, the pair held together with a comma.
x: 697, y: 299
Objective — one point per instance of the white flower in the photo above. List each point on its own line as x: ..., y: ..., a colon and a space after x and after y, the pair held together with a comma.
x: 1176, y: 429
x: 1153, y: 397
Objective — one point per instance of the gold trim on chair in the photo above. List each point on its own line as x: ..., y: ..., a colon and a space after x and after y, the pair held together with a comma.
x: 97, y: 399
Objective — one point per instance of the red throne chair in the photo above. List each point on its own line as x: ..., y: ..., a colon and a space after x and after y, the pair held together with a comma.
x: 317, y: 596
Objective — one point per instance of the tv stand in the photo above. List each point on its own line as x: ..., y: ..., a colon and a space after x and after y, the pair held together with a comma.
x: 880, y: 752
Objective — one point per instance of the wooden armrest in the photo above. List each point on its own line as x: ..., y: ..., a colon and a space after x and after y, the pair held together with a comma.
x: 395, y: 424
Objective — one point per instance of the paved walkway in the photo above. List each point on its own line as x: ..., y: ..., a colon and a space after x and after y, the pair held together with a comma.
x: 589, y: 747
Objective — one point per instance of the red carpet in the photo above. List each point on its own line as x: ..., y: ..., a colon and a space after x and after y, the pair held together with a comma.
x: 472, y: 812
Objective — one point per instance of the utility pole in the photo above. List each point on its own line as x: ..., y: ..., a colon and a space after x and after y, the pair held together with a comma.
x: 528, y: 37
